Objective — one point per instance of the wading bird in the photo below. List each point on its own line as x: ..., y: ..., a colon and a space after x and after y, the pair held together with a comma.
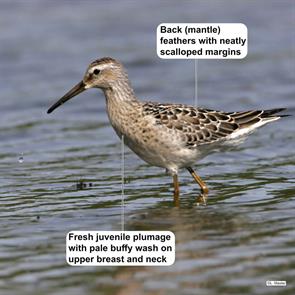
x: 171, y: 136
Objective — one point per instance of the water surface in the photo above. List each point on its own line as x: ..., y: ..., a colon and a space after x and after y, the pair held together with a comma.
x: 243, y: 237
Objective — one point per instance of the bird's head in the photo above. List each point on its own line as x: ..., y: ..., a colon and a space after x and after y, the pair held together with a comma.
x: 103, y: 73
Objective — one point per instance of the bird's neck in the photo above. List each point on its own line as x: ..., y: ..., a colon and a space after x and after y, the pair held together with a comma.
x: 122, y: 106
x: 120, y: 93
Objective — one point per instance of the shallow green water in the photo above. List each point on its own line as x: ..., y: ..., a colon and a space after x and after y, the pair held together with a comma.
x: 242, y: 238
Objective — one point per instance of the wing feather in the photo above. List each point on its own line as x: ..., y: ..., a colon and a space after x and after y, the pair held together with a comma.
x: 200, y: 126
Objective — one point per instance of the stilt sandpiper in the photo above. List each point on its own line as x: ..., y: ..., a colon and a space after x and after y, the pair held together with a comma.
x: 171, y: 136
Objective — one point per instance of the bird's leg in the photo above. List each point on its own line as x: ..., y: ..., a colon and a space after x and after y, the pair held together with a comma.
x: 203, y: 186
x: 176, y: 189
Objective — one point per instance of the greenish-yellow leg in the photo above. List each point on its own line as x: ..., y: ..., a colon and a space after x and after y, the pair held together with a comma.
x: 176, y: 189
x: 198, y: 179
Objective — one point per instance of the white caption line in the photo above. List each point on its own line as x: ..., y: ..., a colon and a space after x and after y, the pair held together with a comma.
x: 122, y: 184
x: 196, y: 82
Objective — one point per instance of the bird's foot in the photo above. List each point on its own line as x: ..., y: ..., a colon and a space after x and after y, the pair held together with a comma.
x: 202, y: 199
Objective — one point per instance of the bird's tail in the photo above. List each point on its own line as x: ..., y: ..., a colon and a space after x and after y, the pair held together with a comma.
x: 257, y: 117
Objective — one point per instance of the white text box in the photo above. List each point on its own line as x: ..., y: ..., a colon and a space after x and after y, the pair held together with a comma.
x: 202, y: 40
x: 120, y: 248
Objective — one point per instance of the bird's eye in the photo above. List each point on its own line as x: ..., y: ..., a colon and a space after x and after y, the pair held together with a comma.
x: 96, y: 72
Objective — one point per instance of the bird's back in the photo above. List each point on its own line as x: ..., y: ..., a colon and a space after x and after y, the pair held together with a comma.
x: 200, y: 126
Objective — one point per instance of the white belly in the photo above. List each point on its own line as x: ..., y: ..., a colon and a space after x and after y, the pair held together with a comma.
x: 171, y: 157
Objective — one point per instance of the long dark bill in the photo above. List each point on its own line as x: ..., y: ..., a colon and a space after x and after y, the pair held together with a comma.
x: 80, y: 87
